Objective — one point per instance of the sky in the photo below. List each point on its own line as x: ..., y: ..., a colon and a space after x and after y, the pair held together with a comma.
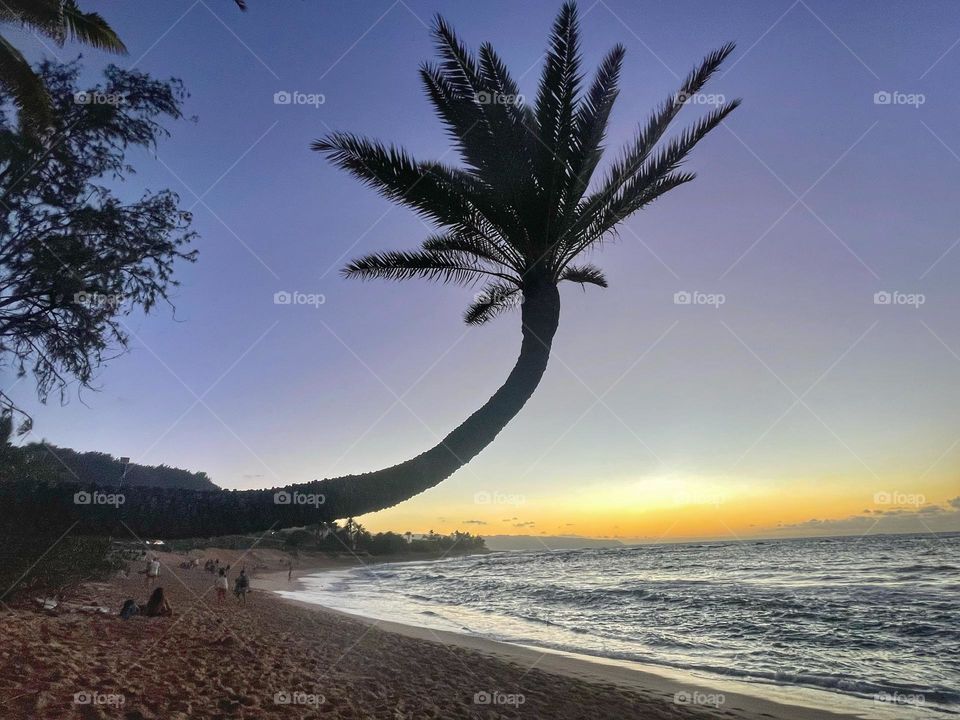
x: 788, y: 399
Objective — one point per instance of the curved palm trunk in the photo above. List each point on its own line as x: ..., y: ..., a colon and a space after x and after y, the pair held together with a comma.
x: 155, y: 512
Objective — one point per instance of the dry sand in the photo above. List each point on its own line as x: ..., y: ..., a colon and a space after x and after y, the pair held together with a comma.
x: 273, y: 658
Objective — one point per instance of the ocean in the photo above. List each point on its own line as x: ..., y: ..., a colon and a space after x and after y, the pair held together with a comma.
x: 873, y: 618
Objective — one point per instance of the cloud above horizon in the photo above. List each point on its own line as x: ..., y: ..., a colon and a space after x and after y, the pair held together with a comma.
x: 926, y: 518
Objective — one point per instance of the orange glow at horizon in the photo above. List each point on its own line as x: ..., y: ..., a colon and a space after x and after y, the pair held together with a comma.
x: 669, y: 509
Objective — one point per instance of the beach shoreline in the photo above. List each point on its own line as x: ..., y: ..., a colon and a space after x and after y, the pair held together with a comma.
x: 740, y: 699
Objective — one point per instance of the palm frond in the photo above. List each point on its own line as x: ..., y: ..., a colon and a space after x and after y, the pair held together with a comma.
x: 636, y: 154
x: 556, y: 98
x: 90, y: 29
x: 494, y: 299
x: 392, y: 172
x: 472, y: 244
x: 25, y: 87
x: 468, y: 97
x: 430, y: 265
x: 584, y: 274
x: 593, y: 114
x: 634, y: 171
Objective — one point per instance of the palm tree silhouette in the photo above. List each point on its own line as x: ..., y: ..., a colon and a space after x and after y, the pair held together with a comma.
x: 519, y: 215
x: 59, y: 20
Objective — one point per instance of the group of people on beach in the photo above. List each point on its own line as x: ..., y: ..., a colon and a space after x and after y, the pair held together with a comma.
x: 241, y: 586
x: 158, y: 606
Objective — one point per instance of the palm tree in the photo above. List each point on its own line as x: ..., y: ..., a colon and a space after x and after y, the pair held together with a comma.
x: 59, y: 20
x: 519, y: 215
x: 521, y: 212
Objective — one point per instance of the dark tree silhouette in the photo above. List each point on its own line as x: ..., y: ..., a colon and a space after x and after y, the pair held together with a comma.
x: 518, y: 214
x: 74, y: 258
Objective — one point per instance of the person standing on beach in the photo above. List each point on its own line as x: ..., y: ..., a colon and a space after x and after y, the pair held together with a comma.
x: 241, y: 587
x: 289, y: 570
x: 221, y: 586
x: 153, y: 571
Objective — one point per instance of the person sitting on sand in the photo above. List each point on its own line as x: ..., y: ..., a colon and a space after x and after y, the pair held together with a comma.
x: 129, y: 609
x: 221, y: 586
x: 157, y: 605
x: 241, y: 587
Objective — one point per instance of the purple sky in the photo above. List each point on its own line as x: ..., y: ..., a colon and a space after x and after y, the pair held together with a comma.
x: 812, y: 198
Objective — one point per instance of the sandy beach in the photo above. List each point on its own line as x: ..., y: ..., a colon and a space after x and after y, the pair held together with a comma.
x: 273, y: 658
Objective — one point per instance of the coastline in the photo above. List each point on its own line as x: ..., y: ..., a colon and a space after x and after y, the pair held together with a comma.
x: 741, y: 699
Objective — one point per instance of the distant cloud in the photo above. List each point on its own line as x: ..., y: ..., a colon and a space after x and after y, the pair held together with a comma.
x: 474, y: 522
x: 528, y: 523
x: 510, y: 519
x: 251, y: 476
x: 927, y: 518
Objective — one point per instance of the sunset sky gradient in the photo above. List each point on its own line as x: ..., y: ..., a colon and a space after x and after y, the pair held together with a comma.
x: 798, y: 399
